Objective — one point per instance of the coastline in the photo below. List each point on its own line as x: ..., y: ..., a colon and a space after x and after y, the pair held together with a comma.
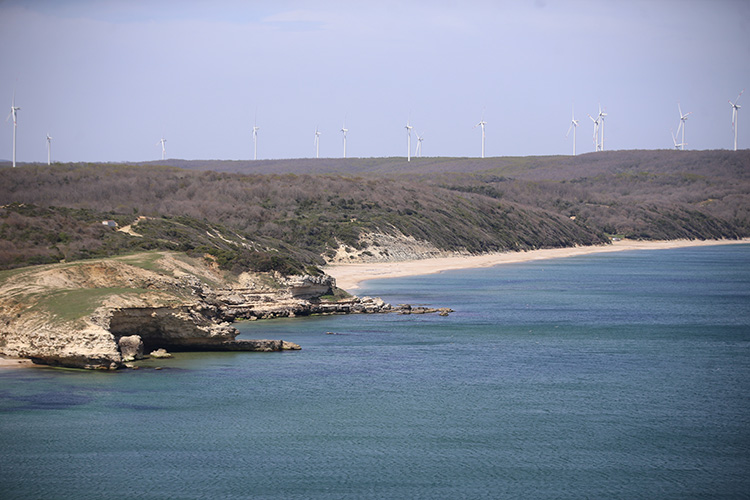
x: 11, y: 363
x: 350, y: 276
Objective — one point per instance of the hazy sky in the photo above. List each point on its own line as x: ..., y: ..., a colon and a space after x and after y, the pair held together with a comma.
x: 106, y: 79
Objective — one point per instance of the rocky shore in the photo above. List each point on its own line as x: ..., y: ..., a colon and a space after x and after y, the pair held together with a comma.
x: 106, y: 313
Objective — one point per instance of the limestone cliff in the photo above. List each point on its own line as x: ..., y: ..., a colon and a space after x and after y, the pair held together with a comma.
x: 74, y: 314
x: 388, y: 247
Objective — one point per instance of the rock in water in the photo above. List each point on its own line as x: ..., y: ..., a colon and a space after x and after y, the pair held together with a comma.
x: 131, y: 348
x: 160, y: 353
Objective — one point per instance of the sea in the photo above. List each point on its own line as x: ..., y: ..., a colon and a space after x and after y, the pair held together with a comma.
x: 618, y: 375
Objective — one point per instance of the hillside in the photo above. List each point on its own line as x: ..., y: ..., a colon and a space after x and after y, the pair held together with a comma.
x: 294, y: 215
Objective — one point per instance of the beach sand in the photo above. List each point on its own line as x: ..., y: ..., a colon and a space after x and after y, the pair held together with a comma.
x: 6, y: 362
x: 350, y: 276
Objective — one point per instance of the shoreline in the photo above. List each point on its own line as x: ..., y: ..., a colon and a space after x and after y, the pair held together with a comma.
x: 351, y: 276
x: 11, y: 363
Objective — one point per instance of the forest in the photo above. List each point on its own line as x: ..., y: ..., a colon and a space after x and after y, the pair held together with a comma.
x: 289, y: 215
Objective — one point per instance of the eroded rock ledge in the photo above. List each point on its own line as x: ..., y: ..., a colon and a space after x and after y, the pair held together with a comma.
x: 128, y: 308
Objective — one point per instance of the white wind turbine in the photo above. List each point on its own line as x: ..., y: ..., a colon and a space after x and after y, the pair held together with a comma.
x: 482, y: 123
x: 49, y: 149
x: 683, y: 120
x: 418, y: 152
x: 317, y: 143
x: 674, y: 140
x: 735, y: 118
x: 408, y: 140
x: 573, y: 125
x: 601, y: 116
x: 163, y: 143
x: 255, y: 139
x: 14, y: 113
x: 344, y: 130
x: 596, y: 131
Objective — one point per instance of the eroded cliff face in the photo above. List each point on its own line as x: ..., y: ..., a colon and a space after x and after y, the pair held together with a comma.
x: 169, y: 327
x: 75, y: 314
x: 101, y: 314
x: 394, y: 247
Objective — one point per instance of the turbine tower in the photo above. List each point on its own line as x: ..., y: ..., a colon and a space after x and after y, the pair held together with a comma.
x: 573, y: 125
x: 14, y: 113
x: 163, y: 143
x: 49, y: 149
x: 344, y: 130
x: 482, y: 123
x: 408, y: 140
x: 602, y: 115
x: 596, y: 131
x: 418, y: 152
x: 255, y: 140
x: 317, y: 143
x: 683, y: 119
x: 735, y: 118
x: 674, y: 140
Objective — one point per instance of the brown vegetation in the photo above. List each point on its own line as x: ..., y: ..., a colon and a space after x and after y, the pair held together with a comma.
x: 287, y: 219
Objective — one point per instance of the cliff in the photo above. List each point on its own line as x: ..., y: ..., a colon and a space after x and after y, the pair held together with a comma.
x: 77, y: 314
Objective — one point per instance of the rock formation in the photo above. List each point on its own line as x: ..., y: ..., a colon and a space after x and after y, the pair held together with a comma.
x: 131, y: 347
x: 101, y: 314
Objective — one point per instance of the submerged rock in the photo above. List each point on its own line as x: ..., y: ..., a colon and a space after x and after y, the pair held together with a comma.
x: 160, y: 353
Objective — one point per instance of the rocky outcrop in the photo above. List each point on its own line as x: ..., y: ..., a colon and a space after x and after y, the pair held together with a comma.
x: 169, y: 327
x: 392, y: 246
x: 310, y: 287
x: 102, y: 314
x: 255, y: 307
x: 131, y: 348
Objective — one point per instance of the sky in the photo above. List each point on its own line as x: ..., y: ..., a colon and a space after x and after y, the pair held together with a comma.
x: 108, y: 79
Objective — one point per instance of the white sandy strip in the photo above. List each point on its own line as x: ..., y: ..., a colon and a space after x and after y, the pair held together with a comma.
x: 349, y: 276
x: 6, y: 362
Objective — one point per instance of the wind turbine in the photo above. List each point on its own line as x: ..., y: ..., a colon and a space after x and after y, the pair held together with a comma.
x: 482, y: 123
x: 418, y: 152
x: 573, y: 125
x: 14, y: 113
x: 735, y: 118
x: 674, y: 139
x: 602, y: 115
x: 255, y: 138
x: 317, y: 143
x: 49, y: 149
x: 596, y: 131
x: 163, y: 143
x: 344, y: 130
x: 683, y: 120
x: 408, y: 140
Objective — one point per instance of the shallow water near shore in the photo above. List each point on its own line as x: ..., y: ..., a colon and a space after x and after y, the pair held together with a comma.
x: 622, y: 375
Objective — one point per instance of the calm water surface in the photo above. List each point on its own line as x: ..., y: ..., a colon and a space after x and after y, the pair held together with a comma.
x: 620, y: 375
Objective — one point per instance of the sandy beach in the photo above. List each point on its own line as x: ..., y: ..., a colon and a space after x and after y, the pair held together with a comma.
x: 350, y: 276
x: 6, y: 362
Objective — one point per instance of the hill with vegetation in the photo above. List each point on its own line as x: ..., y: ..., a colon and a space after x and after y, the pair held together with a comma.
x: 293, y: 216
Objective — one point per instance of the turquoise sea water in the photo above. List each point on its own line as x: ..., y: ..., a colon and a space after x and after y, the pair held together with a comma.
x: 622, y: 375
